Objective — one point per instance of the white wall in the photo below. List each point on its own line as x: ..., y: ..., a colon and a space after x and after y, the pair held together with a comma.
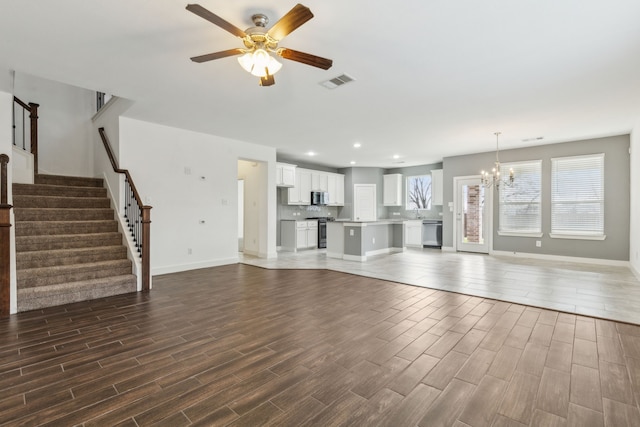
x: 634, y: 231
x: 64, y: 124
x: 254, y: 175
x: 189, y: 177
x: 6, y: 147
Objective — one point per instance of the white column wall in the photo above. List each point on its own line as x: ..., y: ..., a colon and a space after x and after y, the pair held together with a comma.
x: 190, y: 180
x: 634, y: 229
x: 6, y: 147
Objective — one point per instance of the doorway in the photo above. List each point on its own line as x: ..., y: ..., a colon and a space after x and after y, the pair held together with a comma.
x: 472, y: 215
x: 241, y: 215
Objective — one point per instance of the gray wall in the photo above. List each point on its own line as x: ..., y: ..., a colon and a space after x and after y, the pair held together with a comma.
x: 435, y: 212
x: 361, y: 176
x: 617, y: 196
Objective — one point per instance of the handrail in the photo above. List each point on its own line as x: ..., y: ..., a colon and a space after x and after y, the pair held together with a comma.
x: 5, y: 240
x: 32, y: 108
x: 139, y: 220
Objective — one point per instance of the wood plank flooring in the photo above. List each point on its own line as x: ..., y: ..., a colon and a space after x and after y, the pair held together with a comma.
x: 244, y: 346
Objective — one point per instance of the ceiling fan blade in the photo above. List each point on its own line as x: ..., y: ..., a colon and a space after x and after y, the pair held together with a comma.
x: 267, y: 80
x: 305, y: 58
x: 290, y: 22
x: 215, y: 19
x: 217, y: 55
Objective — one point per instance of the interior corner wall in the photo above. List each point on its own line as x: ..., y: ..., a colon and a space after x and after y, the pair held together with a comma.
x: 617, y: 198
x: 190, y: 180
x: 64, y: 125
x: 6, y: 147
x: 634, y: 232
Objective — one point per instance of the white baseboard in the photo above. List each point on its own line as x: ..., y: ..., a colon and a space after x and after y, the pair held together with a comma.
x: 634, y: 271
x: 581, y: 260
x: 193, y: 266
x: 336, y: 255
x: 448, y: 249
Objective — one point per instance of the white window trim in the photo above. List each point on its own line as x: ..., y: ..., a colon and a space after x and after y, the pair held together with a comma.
x: 578, y: 236
x: 519, y: 234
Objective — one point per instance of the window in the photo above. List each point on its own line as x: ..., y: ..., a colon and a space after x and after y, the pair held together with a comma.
x: 577, y: 197
x: 519, y: 203
x: 419, y: 192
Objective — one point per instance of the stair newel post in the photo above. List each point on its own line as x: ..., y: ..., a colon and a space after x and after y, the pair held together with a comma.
x: 5, y: 243
x: 33, y: 116
x: 146, y: 247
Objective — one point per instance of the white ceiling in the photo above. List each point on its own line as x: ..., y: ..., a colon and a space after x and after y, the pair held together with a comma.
x: 434, y: 78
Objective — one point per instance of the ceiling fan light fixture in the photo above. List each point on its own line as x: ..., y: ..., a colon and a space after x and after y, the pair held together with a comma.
x: 259, y: 63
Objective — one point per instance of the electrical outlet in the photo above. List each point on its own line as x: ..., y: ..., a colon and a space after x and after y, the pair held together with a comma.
x: 373, y: 240
x: 351, y: 233
x: 538, y: 243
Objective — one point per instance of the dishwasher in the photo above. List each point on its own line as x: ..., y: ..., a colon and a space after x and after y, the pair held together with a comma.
x: 432, y: 233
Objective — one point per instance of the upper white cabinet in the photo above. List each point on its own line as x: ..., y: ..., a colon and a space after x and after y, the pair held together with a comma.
x: 335, y: 187
x: 285, y: 175
x: 300, y: 194
x: 319, y: 181
x: 307, y: 180
x: 436, y: 187
x: 392, y: 190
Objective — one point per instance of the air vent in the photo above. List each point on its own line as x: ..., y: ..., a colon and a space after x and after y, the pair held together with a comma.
x: 337, y: 81
x: 537, y: 138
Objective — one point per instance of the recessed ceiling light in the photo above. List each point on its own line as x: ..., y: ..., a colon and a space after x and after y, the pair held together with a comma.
x: 311, y: 153
x: 396, y: 156
x: 357, y: 145
x: 352, y: 162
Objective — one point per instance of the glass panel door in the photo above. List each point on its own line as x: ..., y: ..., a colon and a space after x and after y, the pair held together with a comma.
x: 471, y: 216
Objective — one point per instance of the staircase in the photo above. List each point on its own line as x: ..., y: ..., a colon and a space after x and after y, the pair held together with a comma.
x: 68, y: 247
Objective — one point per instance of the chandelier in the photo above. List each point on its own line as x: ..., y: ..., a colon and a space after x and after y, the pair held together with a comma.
x: 493, y: 177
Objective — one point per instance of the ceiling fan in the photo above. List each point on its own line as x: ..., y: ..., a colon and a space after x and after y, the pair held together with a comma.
x: 259, y: 42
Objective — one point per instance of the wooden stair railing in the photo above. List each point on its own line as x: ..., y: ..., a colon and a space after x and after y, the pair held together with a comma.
x: 137, y: 214
x: 5, y: 240
x: 32, y: 108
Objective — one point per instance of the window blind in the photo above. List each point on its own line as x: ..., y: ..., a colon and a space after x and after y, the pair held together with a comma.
x: 519, y: 204
x: 577, y: 195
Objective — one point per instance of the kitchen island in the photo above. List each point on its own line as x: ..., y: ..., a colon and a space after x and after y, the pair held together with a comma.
x: 357, y: 240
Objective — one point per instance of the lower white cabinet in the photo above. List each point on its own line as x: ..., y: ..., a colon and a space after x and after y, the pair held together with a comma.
x: 295, y: 235
x: 413, y: 234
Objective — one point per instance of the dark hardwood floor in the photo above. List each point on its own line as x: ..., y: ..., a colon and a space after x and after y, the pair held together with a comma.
x: 244, y: 346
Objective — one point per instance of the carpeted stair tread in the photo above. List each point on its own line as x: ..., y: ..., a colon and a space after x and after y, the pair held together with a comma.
x: 37, y: 228
x: 27, y: 201
x: 61, y: 214
x: 35, y: 259
x: 66, y: 241
x: 68, y: 244
x: 44, y: 276
x: 71, y: 181
x: 35, y: 298
x: 57, y: 190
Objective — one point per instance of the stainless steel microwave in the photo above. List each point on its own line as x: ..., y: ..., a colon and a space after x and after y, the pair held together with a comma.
x: 319, y: 198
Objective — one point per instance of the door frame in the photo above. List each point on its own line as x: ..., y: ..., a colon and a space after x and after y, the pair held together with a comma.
x: 489, y: 213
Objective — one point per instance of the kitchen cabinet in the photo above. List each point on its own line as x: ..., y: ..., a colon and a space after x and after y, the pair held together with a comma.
x: 413, y: 234
x: 335, y: 184
x: 285, y: 175
x: 319, y: 181
x: 296, y: 235
x: 300, y: 194
x: 436, y: 187
x: 392, y: 190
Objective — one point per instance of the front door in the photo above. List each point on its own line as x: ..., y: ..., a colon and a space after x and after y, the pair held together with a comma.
x: 472, y: 220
